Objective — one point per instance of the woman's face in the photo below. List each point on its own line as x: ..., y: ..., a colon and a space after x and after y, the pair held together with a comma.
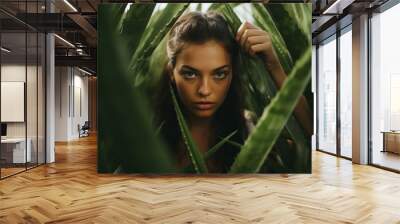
x: 203, y: 74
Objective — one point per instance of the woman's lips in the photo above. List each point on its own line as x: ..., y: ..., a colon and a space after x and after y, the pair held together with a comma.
x: 204, y: 105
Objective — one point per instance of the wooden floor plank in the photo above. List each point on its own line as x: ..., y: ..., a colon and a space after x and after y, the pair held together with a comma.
x: 71, y: 191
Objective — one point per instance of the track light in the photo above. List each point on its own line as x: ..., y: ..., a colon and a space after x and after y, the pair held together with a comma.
x: 84, y: 71
x: 5, y: 50
x: 337, y: 7
x: 70, y: 5
x: 65, y: 41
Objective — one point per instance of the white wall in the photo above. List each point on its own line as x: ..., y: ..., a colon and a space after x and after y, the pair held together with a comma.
x: 33, y: 127
x: 16, y: 73
x: 9, y: 73
x: 81, y: 96
x: 71, y: 93
x: 61, y: 103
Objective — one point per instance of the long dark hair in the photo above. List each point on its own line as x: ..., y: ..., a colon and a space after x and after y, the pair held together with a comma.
x: 198, y: 28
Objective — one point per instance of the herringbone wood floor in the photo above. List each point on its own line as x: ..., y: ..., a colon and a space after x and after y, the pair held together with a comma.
x: 70, y: 191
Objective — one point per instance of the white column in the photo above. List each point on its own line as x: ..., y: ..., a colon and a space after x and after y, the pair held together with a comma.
x: 360, y: 90
x: 50, y: 93
x: 62, y: 103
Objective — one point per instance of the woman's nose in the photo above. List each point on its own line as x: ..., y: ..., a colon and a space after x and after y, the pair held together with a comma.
x: 204, y: 89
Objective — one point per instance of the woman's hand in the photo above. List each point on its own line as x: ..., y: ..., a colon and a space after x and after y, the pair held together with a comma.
x: 254, y: 40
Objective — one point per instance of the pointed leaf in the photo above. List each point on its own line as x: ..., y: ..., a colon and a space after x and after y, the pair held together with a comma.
x: 195, y: 155
x: 294, y: 23
x: 156, y: 30
x: 265, y: 21
x: 126, y: 137
x: 261, y: 140
x: 234, y: 144
x: 259, y: 89
x: 134, y: 23
x: 217, y: 146
x: 213, y: 150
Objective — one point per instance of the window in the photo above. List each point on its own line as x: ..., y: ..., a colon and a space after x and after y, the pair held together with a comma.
x: 327, y: 95
x: 346, y: 92
x: 385, y: 89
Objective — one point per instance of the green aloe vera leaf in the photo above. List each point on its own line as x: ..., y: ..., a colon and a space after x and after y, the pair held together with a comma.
x: 158, y: 130
x: 134, y: 23
x: 261, y: 140
x: 265, y: 21
x: 238, y: 145
x: 227, y: 11
x: 126, y: 137
x: 212, y: 151
x: 262, y: 88
x: 301, y: 14
x: 294, y: 23
x: 217, y: 146
x: 159, y: 57
x: 194, y: 153
x: 157, y: 28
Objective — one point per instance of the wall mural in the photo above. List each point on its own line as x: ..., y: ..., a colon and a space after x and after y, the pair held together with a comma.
x: 204, y: 88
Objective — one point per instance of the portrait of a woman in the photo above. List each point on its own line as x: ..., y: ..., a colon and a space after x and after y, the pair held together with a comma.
x: 197, y: 88
x: 203, y: 71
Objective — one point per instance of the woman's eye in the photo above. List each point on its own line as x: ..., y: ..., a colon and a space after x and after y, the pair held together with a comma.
x: 220, y: 74
x: 189, y: 75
